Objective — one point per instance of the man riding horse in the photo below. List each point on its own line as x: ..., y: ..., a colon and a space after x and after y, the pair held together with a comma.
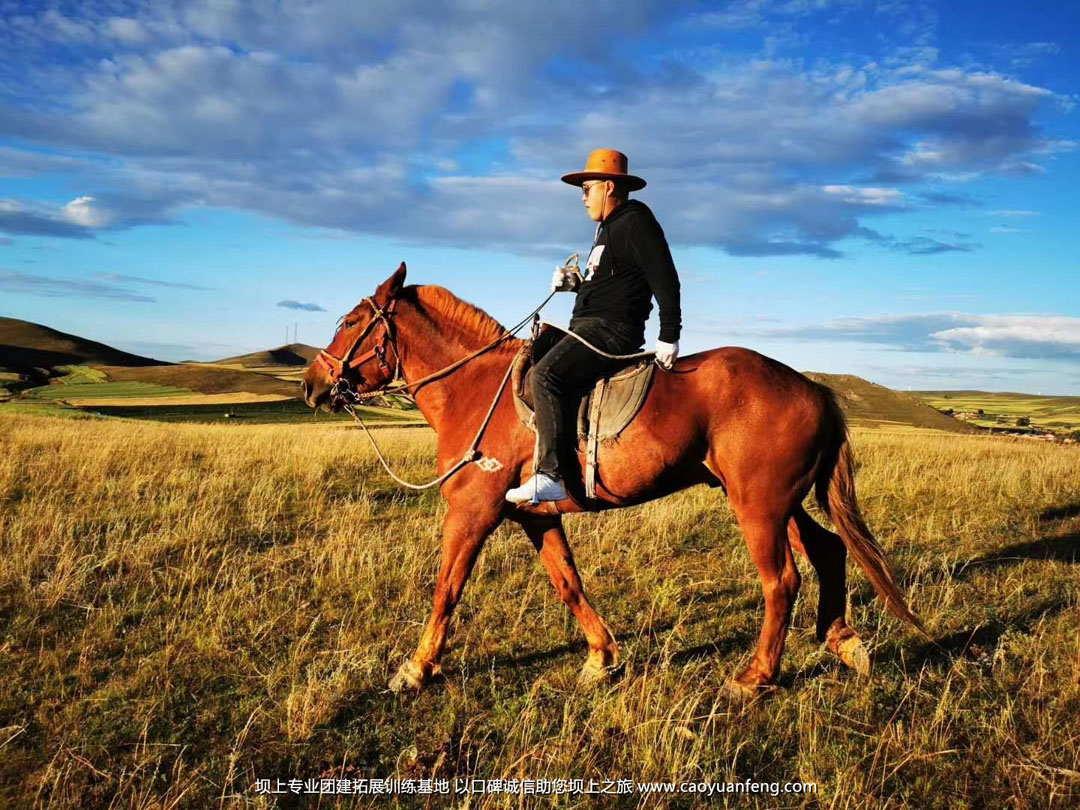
x: 629, y: 264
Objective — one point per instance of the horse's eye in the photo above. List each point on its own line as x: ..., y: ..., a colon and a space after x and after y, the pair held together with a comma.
x: 350, y: 324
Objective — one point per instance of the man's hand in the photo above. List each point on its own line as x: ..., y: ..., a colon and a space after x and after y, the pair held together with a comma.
x: 557, y: 279
x: 667, y: 354
x: 564, y: 280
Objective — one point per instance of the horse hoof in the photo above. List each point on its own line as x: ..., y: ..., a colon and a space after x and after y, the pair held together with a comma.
x: 748, y: 693
x: 853, y: 652
x: 593, y: 675
x: 409, y: 678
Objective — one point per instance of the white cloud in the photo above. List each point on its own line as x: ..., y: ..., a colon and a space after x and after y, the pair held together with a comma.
x: 126, y: 30
x: 81, y: 211
x: 14, y: 281
x: 1019, y: 336
x: 865, y: 196
x: 418, y: 121
x: 999, y: 332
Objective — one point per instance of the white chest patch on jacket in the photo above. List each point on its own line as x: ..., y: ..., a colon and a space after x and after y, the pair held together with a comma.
x: 593, y: 262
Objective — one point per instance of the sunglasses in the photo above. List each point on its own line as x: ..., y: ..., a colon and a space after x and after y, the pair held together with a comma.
x: 586, y: 187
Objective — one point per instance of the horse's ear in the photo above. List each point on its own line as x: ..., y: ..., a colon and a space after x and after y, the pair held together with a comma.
x: 392, y: 286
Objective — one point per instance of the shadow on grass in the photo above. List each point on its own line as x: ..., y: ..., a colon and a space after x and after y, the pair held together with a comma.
x: 734, y: 643
x: 1066, y: 512
x: 654, y: 635
x: 968, y: 643
x: 1065, y: 548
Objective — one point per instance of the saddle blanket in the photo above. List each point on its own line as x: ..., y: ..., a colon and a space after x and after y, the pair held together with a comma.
x: 611, y: 405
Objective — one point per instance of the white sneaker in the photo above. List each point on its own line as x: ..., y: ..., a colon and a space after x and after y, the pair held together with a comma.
x: 541, y: 487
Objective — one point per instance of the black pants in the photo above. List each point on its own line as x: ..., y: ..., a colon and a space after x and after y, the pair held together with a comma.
x: 565, y: 370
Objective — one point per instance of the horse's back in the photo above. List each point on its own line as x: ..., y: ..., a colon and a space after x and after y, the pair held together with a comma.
x: 729, y: 409
x: 735, y: 382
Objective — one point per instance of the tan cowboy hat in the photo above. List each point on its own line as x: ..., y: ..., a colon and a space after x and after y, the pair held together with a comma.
x: 605, y: 164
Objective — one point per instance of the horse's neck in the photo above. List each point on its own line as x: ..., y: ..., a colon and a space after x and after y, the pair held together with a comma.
x: 448, y: 402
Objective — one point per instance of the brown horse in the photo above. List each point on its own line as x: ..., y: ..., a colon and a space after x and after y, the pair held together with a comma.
x: 727, y: 417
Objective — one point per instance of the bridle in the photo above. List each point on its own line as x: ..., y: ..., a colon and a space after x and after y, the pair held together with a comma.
x: 337, y: 367
x: 342, y: 389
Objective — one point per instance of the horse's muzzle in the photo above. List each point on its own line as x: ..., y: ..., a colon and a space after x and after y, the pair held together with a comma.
x: 314, y: 395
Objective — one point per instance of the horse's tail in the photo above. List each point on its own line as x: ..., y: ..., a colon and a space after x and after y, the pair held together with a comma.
x: 835, y: 493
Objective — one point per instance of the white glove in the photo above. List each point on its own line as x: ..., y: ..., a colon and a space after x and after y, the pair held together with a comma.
x: 666, y: 354
x: 566, y: 279
x: 558, y: 279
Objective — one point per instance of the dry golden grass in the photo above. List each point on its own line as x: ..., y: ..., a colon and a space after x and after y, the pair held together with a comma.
x: 187, y: 608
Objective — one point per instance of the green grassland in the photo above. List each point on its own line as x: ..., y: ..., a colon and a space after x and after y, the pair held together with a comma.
x: 1047, y: 412
x: 203, y: 379
x: 85, y: 382
x: 45, y: 407
x: 77, y: 375
x: 254, y: 413
x: 10, y: 382
x: 242, y: 413
x: 61, y: 397
x: 83, y: 389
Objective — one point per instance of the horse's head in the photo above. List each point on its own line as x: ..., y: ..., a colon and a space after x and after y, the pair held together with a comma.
x: 363, y: 356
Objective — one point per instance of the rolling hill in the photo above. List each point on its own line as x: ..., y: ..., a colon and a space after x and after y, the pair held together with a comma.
x: 867, y: 403
x: 25, y: 346
x: 203, y: 379
x: 36, y: 354
x: 291, y: 354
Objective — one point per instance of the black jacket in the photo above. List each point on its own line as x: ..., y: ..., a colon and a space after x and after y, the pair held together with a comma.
x: 629, y: 263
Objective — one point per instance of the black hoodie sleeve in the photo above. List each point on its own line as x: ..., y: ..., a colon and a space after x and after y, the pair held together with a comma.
x: 647, y: 245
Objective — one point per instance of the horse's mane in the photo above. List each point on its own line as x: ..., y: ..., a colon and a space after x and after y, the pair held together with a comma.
x: 473, y: 324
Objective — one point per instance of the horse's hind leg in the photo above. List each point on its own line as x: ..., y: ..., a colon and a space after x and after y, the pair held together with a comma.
x: 827, y: 554
x: 767, y: 541
x: 547, y: 536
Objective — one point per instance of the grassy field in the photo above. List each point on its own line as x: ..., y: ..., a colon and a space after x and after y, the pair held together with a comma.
x: 279, y: 412
x: 263, y: 413
x: 74, y: 391
x: 287, y: 373
x: 9, y: 381
x: 1051, y: 413
x: 185, y: 609
x: 83, y: 391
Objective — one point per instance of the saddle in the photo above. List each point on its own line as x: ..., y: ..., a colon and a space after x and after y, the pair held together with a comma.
x: 603, y: 413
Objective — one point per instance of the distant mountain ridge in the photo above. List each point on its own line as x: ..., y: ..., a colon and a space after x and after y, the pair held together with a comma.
x: 291, y: 354
x: 25, y: 346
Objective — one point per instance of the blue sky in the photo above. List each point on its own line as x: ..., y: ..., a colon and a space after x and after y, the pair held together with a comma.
x: 877, y: 188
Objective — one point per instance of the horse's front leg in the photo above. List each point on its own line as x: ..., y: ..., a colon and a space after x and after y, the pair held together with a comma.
x: 464, y: 531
